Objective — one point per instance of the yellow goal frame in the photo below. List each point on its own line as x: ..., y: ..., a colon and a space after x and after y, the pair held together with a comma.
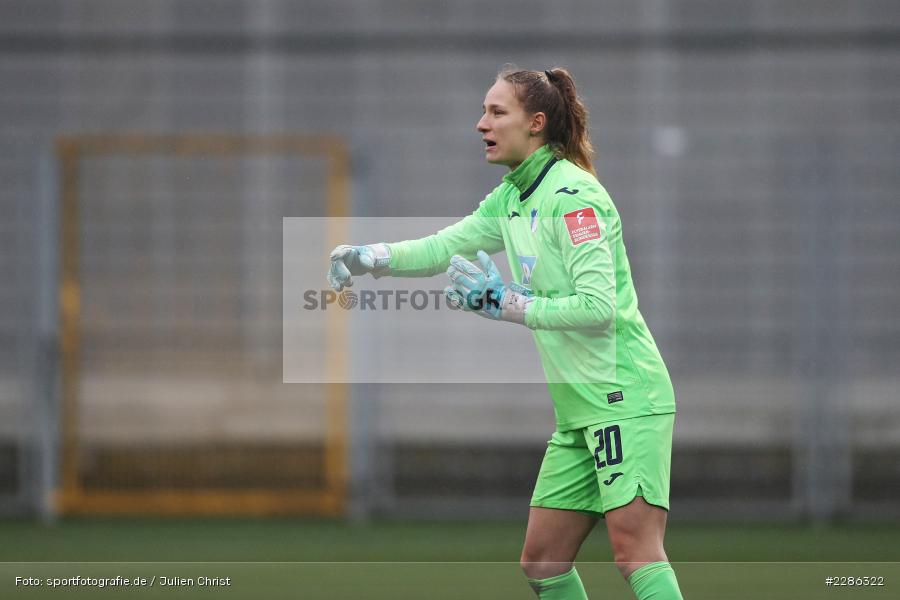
x: 71, y: 497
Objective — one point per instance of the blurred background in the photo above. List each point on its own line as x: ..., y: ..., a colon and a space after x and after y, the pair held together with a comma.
x: 151, y: 150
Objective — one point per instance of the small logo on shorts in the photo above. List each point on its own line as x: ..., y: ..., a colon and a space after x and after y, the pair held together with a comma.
x: 614, y: 397
x: 612, y: 478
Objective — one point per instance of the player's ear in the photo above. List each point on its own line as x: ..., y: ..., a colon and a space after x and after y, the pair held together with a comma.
x: 538, y: 122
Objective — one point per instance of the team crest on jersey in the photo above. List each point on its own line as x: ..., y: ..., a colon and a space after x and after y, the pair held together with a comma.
x: 527, y: 263
x: 583, y: 225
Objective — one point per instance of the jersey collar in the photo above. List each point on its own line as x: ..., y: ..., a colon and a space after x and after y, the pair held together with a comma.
x: 528, y: 176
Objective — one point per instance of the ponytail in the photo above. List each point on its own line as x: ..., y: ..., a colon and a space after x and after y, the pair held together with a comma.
x: 573, y: 131
x: 553, y: 93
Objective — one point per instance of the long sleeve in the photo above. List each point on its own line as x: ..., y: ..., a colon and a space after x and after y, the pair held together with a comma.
x: 430, y: 255
x: 586, y: 240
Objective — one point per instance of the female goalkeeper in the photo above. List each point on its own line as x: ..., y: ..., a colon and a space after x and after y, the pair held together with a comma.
x: 615, y: 407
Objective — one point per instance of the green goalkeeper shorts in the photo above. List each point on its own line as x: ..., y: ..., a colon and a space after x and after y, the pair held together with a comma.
x: 605, y: 466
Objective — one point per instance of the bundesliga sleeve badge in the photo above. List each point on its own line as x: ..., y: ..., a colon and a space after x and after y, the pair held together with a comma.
x: 583, y: 225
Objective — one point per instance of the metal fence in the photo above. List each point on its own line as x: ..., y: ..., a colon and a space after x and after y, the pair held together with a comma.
x: 751, y: 149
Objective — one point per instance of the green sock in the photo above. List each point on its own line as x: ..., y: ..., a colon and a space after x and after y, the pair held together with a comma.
x: 655, y: 581
x: 567, y: 586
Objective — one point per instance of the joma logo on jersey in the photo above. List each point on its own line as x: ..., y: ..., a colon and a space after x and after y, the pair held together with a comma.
x: 527, y: 263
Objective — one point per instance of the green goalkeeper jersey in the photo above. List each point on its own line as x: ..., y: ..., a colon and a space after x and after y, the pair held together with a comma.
x: 563, y: 237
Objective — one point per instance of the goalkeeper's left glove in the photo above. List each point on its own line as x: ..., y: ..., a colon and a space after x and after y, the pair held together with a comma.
x: 482, y: 291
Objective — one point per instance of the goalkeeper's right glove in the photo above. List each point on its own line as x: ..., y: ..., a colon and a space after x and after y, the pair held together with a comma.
x: 482, y: 291
x: 349, y: 260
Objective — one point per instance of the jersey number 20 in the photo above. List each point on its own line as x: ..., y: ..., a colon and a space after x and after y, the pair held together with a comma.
x: 610, y: 441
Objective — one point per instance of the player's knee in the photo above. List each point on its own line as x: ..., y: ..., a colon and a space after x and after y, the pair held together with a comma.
x: 625, y: 565
x: 631, y: 553
x: 539, y: 565
x: 626, y: 552
x: 545, y: 569
x: 528, y: 561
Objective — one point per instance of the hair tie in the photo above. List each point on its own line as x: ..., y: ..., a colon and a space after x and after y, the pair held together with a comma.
x: 549, y: 76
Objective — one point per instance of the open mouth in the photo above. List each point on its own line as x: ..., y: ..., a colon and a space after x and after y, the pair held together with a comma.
x: 490, y: 143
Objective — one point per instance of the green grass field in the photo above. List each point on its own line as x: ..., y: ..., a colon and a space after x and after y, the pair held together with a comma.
x: 292, y: 558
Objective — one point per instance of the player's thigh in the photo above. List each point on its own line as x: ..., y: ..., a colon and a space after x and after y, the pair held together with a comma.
x: 636, y: 531
x: 555, y: 535
x: 565, y: 503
